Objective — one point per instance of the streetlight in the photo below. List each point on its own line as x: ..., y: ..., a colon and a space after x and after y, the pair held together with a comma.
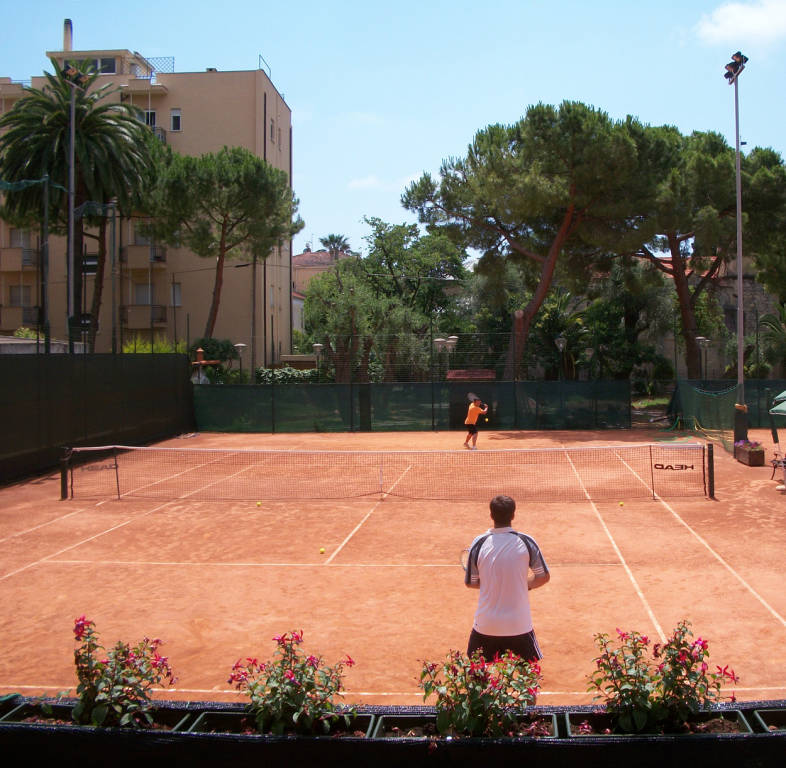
x: 560, y: 342
x: 317, y: 347
x: 704, y: 343
x: 733, y: 70
x: 75, y: 80
x: 240, y: 347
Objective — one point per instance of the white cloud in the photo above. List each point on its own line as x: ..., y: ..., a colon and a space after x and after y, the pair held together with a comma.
x: 741, y: 24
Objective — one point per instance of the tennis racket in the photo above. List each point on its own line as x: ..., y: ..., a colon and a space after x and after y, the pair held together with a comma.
x: 472, y: 396
x: 464, y: 558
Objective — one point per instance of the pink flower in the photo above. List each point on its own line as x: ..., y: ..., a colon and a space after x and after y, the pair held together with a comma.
x: 81, y: 625
x: 297, y: 637
x: 623, y: 635
x: 349, y: 661
x: 312, y: 661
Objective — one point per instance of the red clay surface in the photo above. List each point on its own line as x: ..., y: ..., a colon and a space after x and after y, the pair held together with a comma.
x: 217, y: 580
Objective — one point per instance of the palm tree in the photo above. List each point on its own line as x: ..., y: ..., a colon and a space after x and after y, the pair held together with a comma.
x: 111, y: 157
x: 335, y: 244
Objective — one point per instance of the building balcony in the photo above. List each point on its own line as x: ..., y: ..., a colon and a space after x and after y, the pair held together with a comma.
x: 12, y: 318
x: 139, y: 316
x: 18, y: 259
x: 143, y: 256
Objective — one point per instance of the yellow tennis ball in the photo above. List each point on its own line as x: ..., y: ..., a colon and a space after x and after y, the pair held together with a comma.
x: 622, y: 503
x: 321, y: 550
x: 259, y: 503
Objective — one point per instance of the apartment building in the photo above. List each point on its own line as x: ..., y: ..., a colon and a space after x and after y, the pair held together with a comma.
x: 164, y: 291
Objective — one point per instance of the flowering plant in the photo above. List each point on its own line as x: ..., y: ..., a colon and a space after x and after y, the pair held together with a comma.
x: 659, y: 688
x: 293, y: 692
x: 480, y: 698
x: 114, y: 686
x: 749, y: 444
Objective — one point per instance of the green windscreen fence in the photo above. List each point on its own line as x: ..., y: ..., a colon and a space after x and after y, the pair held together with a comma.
x: 51, y: 401
x: 708, y: 406
x: 411, y: 406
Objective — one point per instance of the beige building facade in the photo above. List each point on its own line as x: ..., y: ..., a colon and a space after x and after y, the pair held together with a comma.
x: 163, y: 291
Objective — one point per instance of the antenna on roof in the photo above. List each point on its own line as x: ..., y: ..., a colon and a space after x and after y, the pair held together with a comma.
x: 261, y: 62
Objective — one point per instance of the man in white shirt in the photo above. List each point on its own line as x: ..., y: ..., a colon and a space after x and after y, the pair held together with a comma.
x: 504, y: 565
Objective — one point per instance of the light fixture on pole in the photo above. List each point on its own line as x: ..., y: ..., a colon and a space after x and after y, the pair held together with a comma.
x: 704, y: 343
x: 75, y: 80
x: 560, y: 342
x: 733, y: 71
x: 317, y: 347
x: 240, y: 347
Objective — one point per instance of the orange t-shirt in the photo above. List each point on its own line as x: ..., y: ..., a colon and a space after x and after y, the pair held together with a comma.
x: 473, y: 413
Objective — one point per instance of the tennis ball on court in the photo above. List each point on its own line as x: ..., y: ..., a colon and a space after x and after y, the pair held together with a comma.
x: 622, y: 503
x: 259, y: 503
x: 485, y: 419
x: 321, y: 550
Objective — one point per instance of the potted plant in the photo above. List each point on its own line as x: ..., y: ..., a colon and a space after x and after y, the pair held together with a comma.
x: 114, y: 686
x: 475, y: 697
x: 750, y: 452
x: 292, y: 693
x: 663, y: 688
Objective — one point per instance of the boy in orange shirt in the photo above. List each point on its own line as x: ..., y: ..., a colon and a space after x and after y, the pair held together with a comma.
x: 476, y: 408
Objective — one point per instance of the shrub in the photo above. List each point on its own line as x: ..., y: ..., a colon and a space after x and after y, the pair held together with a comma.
x: 293, y: 692
x: 476, y: 697
x: 114, y: 686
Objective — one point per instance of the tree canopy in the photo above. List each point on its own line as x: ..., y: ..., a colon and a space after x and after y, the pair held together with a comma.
x: 558, y: 184
x: 222, y: 205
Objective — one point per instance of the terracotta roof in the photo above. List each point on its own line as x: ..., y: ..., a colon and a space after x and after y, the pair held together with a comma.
x: 316, y: 259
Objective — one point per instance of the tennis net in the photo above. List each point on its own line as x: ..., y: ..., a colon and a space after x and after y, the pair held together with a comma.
x: 552, y: 474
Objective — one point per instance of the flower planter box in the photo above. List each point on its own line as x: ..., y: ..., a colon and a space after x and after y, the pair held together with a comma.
x: 8, y: 702
x: 32, y: 713
x: 753, y: 457
x: 413, y: 726
x: 770, y: 720
x: 241, y: 723
x: 703, y: 724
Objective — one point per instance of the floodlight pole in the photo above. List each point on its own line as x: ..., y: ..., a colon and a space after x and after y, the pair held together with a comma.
x: 69, y: 72
x: 733, y: 71
x: 70, y: 255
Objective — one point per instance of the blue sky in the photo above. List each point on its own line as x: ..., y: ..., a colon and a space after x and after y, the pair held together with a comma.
x: 381, y: 93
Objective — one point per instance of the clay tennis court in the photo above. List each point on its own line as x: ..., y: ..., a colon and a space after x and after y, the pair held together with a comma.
x: 216, y: 580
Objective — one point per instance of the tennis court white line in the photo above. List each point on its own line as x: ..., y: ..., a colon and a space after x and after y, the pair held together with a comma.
x: 366, y: 517
x: 715, y: 554
x: 726, y: 565
x: 625, y: 565
x: 97, y: 535
x: 41, y: 525
x: 273, y: 564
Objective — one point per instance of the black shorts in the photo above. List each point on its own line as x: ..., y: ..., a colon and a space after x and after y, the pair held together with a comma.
x: 472, y: 429
x: 525, y: 645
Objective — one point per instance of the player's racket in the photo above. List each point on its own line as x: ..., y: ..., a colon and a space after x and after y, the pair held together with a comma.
x: 472, y: 396
x: 464, y: 559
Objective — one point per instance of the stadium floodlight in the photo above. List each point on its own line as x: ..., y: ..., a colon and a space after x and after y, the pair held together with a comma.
x: 733, y: 71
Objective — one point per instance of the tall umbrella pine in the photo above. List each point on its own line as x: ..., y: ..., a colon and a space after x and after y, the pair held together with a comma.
x: 222, y: 205
x: 111, y: 156
x: 560, y: 179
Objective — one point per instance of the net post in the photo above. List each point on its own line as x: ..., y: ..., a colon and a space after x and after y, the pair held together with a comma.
x: 117, y: 471
x: 65, y: 461
x: 710, y: 471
